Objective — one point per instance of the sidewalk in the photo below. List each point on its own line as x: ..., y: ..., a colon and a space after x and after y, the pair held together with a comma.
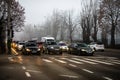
x: 112, y: 50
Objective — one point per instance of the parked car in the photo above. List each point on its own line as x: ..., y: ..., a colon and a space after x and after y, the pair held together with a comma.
x: 52, y: 47
x: 80, y: 49
x: 31, y: 48
x: 97, y: 46
x: 63, y: 46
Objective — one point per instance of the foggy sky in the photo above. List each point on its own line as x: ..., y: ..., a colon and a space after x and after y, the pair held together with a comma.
x: 36, y: 11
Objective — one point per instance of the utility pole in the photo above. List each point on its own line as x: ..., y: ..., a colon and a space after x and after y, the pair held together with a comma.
x: 9, y: 27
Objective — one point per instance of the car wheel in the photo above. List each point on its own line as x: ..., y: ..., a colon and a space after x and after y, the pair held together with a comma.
x: 69, y: 51
x: 94, y: 49
x: 60, y: 52
x: 47, y: 51
x: 102, y: 50
x: 79, y: 52
x: 23, y: 51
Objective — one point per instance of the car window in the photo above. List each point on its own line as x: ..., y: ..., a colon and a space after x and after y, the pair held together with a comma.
x: 51, y: 43
x: 62, y: 44
x: 82, y: 45
x: 93, y: 43
x: 21, y: 43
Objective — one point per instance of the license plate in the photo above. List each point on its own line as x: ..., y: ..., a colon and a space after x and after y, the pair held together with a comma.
x: 57, y: 49
x: 33, y: 51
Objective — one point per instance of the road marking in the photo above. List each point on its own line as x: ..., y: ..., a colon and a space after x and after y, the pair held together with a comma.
x: 27, y: 74
x: 84, y: 61
x: 46, y: 60
x: 10, y: 58
x: 107, y: 78
x: 99, y: 61
x: 70, y: 76
x: 34, y: 71
x: 72, y: 65
x: 23, y: 67
x: 60, y: 61
x: 116, y: 62
x: 21, y: 62
x: 87, y: 71
x: 72, y: 61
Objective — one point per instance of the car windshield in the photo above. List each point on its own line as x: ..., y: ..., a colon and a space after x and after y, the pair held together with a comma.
x: 51, y: 43
x: 62, y: 44
x: 31, y: 44
x: 21, y: 43
x: 50, y: 40
x: 82, y: 45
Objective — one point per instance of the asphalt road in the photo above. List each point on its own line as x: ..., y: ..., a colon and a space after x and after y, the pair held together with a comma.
x: 101, y: 66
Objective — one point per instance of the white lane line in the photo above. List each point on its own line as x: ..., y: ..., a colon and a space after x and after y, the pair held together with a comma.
x: 27, y: 74
x: 10, y: 58
x: 46, y: 60
x: 86, y: 70
x: 72, y: 61
x: 116, y: 62
x: 107, y: 78
x: 75, y: 62
x: 23, y: 67
x: 99, y: 61
x: 70, y: 76
x: 72, y: 65
x: 21, y: 62
x: 84, y: 61
x: 61, y: 61
x: 34, y: 71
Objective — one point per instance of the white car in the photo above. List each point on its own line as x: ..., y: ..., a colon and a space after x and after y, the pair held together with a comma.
x: 97, y: 46
x: 20, y: 45
x: 63, y: 46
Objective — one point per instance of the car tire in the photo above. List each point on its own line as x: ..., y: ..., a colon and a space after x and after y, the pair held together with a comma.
x: 94, y: 49
x: 69, y: 52
x: 60, y: 52
x: 79, y: 53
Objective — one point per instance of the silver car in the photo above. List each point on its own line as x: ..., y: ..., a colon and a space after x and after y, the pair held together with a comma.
x: 97, y: 46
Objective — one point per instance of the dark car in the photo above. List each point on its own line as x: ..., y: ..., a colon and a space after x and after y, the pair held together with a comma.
x: 31, y: 48
x: 52, y: 47
x: 80, y: 49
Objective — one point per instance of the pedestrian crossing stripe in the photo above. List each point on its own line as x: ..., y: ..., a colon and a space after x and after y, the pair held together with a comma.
x: 81, y: 61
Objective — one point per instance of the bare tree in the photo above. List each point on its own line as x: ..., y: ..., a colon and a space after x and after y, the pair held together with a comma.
x: 111, y: 15
x: 15, y: 16
x: 71, y: 25
x: 95, y: 19
x: 86, y: 20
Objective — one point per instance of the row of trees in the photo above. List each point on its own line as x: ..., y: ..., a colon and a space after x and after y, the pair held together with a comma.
x: 11, y: 19
x: 96, y: 16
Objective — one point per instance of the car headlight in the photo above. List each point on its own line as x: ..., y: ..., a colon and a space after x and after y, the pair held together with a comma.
x: 38, y: 49
x: 60, y: 47
x: 52, y: 47
x: 27, y: 49
x: 83, y: 50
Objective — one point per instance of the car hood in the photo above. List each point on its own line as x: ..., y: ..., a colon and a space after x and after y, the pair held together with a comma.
x: 55, y: 46
x: 86, y: 48
x: 32, y: 47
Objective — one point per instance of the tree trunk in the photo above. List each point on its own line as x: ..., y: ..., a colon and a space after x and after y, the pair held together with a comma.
x: 113, y: 36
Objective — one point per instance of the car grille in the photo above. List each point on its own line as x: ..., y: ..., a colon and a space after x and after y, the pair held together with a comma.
x: 33, y: 49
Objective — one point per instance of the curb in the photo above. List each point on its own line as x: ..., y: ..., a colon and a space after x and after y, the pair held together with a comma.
x: 112, y: 50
